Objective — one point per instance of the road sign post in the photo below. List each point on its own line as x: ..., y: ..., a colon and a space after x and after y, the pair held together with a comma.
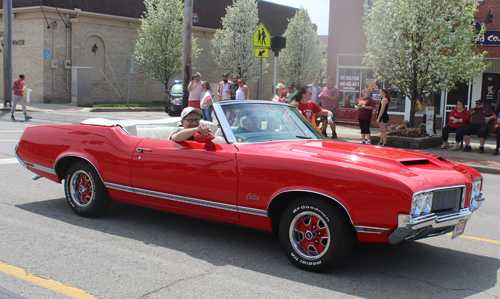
x: 277, y: 43
x: 262, y: 43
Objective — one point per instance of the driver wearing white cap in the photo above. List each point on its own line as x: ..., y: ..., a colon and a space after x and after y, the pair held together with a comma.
x: 190, y: 119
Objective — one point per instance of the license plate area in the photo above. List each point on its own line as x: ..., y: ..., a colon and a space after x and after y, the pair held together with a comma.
x: 459, y: 229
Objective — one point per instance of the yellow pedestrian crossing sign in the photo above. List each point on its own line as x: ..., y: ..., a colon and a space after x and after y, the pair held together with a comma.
x: 261, y: 37
x: 261, y: 53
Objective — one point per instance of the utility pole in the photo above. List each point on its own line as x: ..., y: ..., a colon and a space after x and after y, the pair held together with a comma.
x: 187, y: 53
x: 7, y: 52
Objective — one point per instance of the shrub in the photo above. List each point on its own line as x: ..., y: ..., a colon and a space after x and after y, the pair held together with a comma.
x: 404, y: 130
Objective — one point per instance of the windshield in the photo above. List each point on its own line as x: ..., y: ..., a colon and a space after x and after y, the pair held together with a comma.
x: 176, y: 89
x: 259, y: 122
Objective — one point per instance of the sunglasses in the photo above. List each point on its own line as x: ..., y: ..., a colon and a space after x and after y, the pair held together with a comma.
x: 192, y: 120
x: 235, y: 78
x: 240, y: 82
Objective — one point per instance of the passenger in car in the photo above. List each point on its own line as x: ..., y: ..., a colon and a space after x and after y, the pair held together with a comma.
x: 190, y: 119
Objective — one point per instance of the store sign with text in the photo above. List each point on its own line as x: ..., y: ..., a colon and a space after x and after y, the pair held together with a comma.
x: 490, y: 38
x: 349, y: 83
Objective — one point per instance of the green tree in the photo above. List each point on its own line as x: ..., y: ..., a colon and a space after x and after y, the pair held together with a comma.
x: 158, y: 50
x: 233, y: 50
x: 422, y: 46
x: 303, y: 58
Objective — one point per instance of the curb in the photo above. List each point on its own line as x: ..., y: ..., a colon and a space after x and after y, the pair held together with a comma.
x: 128, y: 109
x: 109, y: 109
x: 483, y: 169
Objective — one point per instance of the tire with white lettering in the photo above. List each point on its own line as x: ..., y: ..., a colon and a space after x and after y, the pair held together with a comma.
x: 85, y: 192
x: 315, y: 235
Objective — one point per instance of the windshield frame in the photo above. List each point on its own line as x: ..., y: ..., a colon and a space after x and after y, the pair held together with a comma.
x: 225, y: 126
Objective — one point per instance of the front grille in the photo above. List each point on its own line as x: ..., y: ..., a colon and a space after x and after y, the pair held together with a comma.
x: 446, y: 200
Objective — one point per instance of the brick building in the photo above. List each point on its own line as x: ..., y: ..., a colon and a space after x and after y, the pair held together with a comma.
x: 52, y: 36
x: 346, y: 45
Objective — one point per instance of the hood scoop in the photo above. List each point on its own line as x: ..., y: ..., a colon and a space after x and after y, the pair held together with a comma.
x: 415, y: 162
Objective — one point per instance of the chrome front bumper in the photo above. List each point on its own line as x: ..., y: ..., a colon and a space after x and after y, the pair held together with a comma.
x: 431, y: 225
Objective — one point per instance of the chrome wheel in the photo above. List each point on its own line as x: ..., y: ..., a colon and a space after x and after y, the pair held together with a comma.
x: 309, y: 235
x: 81, y: 188
x: 315, y: 234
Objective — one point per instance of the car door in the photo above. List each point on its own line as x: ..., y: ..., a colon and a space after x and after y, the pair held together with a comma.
x: 189, y: 177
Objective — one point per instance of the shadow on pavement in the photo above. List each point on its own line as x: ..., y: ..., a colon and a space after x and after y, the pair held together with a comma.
x: 406, y: 270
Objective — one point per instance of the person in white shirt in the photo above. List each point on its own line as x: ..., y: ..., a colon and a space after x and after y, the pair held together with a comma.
x: 242, y: 92
x: 224, y: 88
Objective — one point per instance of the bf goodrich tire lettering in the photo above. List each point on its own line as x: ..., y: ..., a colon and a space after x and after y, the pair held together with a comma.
x: 315, y: 235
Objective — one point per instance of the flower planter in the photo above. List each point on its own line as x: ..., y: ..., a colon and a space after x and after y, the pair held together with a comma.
x: 410, y: 142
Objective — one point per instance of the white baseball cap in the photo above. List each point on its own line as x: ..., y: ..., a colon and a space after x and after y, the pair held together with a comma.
x: 188, y: 110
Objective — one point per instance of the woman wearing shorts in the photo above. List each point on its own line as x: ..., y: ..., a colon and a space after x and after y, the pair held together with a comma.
x: 364, y: 107
x: 382, y: 116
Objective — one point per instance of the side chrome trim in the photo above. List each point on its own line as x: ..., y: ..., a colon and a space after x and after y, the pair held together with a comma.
x: 18, y: 158
x: 189, y: 200
x: 314, y: 192
x: 119, y: 187
x: 371, y: 230
x: 41, y: 168
x: 252, y: 211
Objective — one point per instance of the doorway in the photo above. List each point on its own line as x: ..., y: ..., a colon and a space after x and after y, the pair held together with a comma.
x: 490, y: 91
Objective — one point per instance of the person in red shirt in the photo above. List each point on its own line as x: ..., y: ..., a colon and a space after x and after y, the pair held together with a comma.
x: 364, y: 110
x: 457, y: 121
x: 17, y: 88
x: 302, y: 101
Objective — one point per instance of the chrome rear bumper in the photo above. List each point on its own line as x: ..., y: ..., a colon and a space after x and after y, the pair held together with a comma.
x: 431, y: 225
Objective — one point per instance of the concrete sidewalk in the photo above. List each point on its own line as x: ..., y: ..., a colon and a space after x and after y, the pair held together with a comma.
x: 486, y: 162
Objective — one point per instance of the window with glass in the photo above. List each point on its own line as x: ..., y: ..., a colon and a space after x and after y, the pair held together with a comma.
x: 263, y: 123
x: 352, y: 81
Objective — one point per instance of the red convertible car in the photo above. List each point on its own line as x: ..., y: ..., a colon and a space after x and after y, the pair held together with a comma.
x: 265, y: 167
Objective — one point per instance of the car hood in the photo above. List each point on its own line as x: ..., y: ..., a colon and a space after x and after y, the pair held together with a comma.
x: 384, y: 160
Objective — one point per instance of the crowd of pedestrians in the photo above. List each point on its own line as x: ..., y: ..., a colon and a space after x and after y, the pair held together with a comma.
x: 480, y: 120
x: 319, y: 103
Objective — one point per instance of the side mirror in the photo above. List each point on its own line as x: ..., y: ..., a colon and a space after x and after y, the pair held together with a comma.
x: 204, y: 139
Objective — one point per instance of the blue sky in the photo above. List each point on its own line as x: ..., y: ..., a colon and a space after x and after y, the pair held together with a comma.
x: 318, y: 11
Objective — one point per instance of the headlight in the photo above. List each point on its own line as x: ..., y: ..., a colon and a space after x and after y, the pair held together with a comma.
x: 476, y: 188
x: 421, y: 204
x: 177, y: 101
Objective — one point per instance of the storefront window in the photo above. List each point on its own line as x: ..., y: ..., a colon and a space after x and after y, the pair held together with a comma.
x: 352, y: 81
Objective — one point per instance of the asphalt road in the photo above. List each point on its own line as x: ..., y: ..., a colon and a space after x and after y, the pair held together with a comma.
x: 134, y: 252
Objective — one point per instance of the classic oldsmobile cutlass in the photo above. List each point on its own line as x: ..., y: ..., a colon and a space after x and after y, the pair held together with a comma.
x: 278, y: 175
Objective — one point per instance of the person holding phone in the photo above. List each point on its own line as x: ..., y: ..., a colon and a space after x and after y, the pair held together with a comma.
x: 195, y: 88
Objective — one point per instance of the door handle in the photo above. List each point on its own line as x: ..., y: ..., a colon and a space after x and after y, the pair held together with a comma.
x: 140, y: 150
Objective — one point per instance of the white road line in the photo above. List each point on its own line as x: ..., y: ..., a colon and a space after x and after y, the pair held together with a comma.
x: 11, y: 131
x: 9, y: 161
x: 15, y: 140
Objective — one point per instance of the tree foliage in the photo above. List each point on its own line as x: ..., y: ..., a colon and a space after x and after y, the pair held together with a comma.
x: 422, y: 46
x: 158, y: 51
x: 233, y: 50
x: 303, y: 58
